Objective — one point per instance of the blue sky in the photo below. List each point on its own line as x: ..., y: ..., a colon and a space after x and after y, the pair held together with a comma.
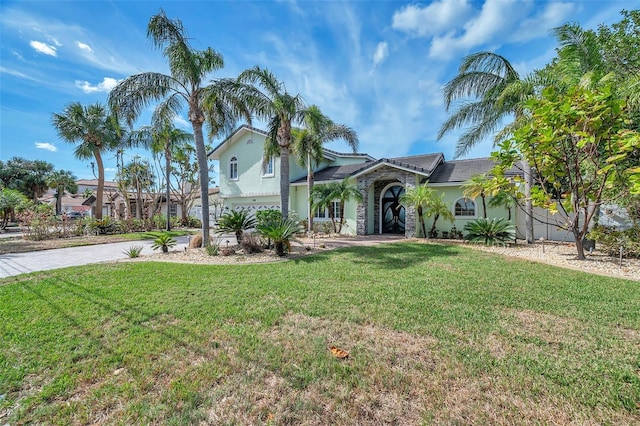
x: 376, y: 66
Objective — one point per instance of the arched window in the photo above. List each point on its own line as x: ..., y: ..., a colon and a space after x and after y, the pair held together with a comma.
x: 267, y: 167
x: 465, y: 207
x: 233, y: 168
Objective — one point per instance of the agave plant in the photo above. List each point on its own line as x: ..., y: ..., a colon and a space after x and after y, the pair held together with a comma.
x: 163, y: 241
x: 497, y: 231
x: 280, y: 231
x: 236, y: 221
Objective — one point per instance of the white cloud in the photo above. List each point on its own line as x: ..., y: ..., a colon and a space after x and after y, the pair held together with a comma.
x: 381, y: 53
x: 553, y: 15
x: 110, y: 169
x: 106, y: 85
x: 44, y: 48
x: 54, y: 41
x: 84, y: 46
x: 17, y: 54
x: 46, y: 146
x: 181, y: 122
x: 436, y: 18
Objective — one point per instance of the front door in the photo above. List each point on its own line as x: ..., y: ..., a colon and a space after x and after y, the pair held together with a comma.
x: 393, y: 211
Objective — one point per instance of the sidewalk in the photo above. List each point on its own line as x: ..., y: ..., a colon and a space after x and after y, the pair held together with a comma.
x: 21, y: 263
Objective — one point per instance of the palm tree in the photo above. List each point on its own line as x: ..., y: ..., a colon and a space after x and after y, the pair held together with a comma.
x: 307, y: 144
x: 497, y: 92
x: 189, y: 70
x: 95, y: 131
x: 325, y: 195
x: 503, y: 199
x: 420, y: 197
x: 477, y: 186
x: 138, y: 176
x: 438, y: 208
x: 62, y: 180
x: 162, y: 137
x: 270, y: 101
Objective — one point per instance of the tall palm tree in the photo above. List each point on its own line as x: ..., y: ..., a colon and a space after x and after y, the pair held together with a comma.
x: 420, y: 197
x: 475, y: 187
x: 189, y: 71
x: 95, y: 130
x: 162, y: 137
x: 307, y: 144
x: 61, y: 181
x: 325, y: 195
x: 490, y: 81
x: 269, y: 100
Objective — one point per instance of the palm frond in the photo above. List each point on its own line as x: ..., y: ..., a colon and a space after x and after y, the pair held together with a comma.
x: 132, y: 95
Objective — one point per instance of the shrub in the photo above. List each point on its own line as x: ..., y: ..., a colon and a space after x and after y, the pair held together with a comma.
x: 611, y: 240
x: 263, y: 216
x: 133, y: 251
x: 163, y: 241
x: 213, y: 249
x: 236, y: 221
x: 497, y: 231
x: 40, y: 222
x: 251, y: 244
x: 280, y: 231
x: 191, y: 222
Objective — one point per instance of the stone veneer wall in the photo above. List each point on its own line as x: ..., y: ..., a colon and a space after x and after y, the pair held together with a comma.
x: 381, y: 178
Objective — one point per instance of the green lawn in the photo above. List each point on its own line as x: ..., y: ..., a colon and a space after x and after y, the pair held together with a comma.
x: 436, y: 334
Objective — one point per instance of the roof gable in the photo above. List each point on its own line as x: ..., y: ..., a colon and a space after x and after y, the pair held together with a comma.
x: 214, y: 154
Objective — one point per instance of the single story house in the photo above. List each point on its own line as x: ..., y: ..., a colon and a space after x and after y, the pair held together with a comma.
x: 249, y: 181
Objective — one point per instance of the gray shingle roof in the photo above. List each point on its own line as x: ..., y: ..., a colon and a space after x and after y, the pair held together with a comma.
x: 336, y: 172
x: 462, y: 170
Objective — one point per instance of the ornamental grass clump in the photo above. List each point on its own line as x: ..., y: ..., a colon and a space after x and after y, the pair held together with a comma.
x: 494, y: 232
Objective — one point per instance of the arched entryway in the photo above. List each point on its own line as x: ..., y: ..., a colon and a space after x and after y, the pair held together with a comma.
x: 392, y: 213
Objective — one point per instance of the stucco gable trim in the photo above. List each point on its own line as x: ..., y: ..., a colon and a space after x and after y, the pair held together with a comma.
x: 214, y: 154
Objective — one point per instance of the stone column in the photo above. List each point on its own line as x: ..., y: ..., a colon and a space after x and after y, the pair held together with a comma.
x: 362, y: 209
x: 410, y: 211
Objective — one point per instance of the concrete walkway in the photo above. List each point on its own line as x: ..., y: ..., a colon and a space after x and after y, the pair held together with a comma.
x: 21, y: 263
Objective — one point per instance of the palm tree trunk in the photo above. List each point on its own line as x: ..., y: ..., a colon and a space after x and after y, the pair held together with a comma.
x: 528, y: 209
x: 284, y: 180
x: 309, y: 189
x: 433, y: 227
x: 167, y: 156
x: 100, y: 190
x: 59, y: 200
x: 484, y: 205
x: 203, y: 174
x: 421, y: 219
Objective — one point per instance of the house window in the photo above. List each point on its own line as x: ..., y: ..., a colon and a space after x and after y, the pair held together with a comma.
x: 267, y: 167
x: 233, y: 168
x: 335, y: 206
x: 173, y: 210
x: 320, y: 213
x: 465, y: 207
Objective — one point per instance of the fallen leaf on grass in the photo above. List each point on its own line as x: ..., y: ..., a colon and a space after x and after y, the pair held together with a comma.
x: 339, y: 353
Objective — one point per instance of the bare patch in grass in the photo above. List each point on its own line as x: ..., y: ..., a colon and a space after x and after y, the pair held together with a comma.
x: 391, y: 377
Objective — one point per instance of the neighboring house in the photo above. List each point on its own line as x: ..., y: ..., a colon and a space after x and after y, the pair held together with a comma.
x: 87, y: 189
x: 69, y: 203
x: 249, y: 181
x: 215, y: 205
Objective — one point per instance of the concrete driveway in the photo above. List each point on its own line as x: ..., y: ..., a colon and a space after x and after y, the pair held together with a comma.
x: 21, y: 263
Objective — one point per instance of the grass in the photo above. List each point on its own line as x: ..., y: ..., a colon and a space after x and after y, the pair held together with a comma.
x: 436, y: 334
